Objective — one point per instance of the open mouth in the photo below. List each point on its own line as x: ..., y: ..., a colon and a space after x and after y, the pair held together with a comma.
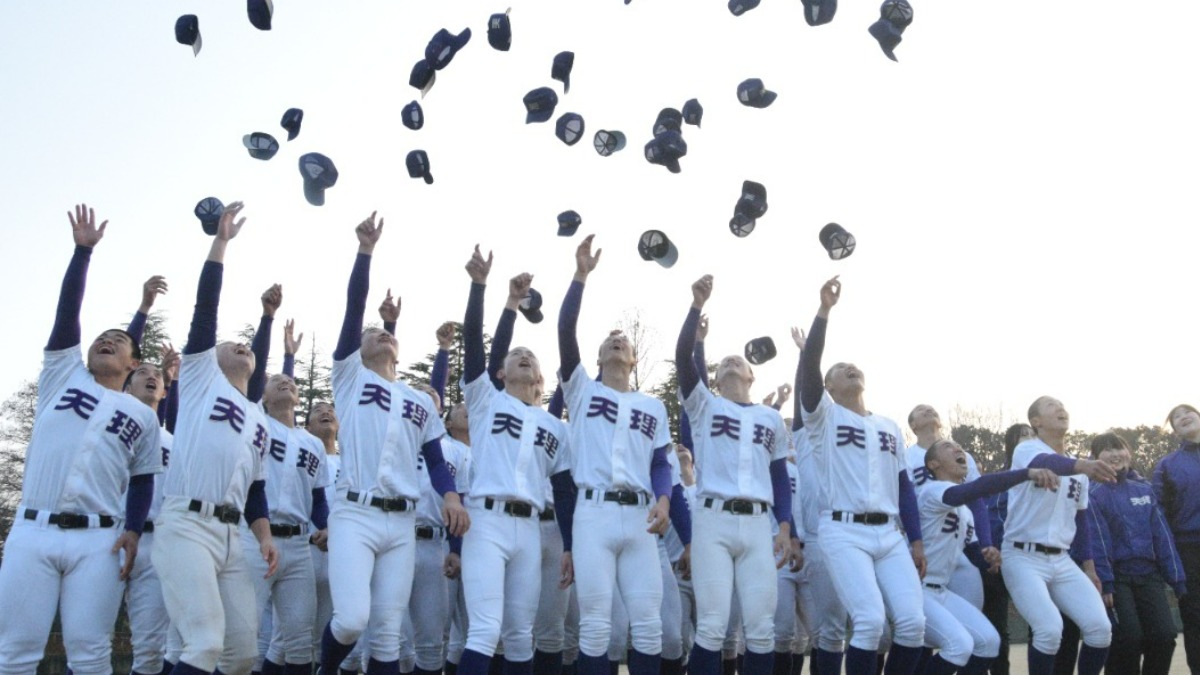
x: 107, y: 350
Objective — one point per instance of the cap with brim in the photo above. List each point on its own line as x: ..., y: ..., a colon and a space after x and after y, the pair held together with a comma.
x: 887, y: 35
x: 753, y: 93
x: 608, y: 142
x: 418, y: 165
x: 666, y: 149
x: 837, y: 241
x: 741, y: 225
x: 899, y: 12
x: 412, y: 116
x: 422, y: 77
x: 569, y: 128
x: 669, y: 119
x: 187, y: 32
x: 561, y: 69
x: 260, y: 145
x: 531, y: 306
x: 819, y: 12
x: 753, y: 201
x: 500, y: 32
x: 260, y: 12
x: 655, y: 245
x: 740, y: 7
x: 693, y: 112
x: 443, y: 46
x: 319, y: 174
x: 209, y: 211
x: 539, y: 104
x: 760, y: 350
x: 568, y: 223
x: 292, y: 119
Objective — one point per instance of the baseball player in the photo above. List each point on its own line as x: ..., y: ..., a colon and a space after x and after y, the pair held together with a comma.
x: 216, y: 476
x: 741, y: 467
x: 384, y: 425
x: 620, y: 440
x: 90, y: 442
x: 322, y: 422
x: 1041, y: 526
x: 866, y: 488
x: 458, y: 434
x: 1177, y: 485
x: 549, y: 624
x: 516, y: 446
x: 1135, y: 558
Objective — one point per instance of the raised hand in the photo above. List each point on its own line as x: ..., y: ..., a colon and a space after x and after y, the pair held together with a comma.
x: 291, y: 344
x: 272, y: 298
x: 701, y: 290
x: 154, y: 287
x: 585, y: 262
x: 518, y: 287
x: 769, y: 400
x: 1096, y: 470
x: 478, y: 268
x: 389, y: 311
x: 783, y: 393
x: 229, y: 228
x: 702, y: 328
x: 368, y: 233
x: 799, y: 338
x: 170, y: 364
x: 831, y: 291
x: 83, y: 226
x: 445, y: 335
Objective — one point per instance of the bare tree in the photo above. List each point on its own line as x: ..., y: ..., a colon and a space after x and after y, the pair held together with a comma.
x: 644, y: 339
x: 16, y: 429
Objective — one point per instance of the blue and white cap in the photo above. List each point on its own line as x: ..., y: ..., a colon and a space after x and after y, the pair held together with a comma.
x: 418, y: 165
x: 209, y: 211
x: 319, y: 174
x: 754, y: 94
x: 443, y: 46
x: 261, y: 145
x: 540, y: 104
x: 500, y: 31
x: 291, y: 121
x: 655, y: 245
x: 187, y: 32
x: 569, y: 128
x: 412, y: 116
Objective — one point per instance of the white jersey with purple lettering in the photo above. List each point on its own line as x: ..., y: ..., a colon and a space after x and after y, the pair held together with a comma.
x: 429, y: 508
x: 735, y: 445
x: 87, y: 441
x: 294, y: 465
x: 918, y: 474
x: 810, y: 494
x: 945, y: 529
x: 514, y: 446
x: 1040, y: 516
x: 858, y: 458
x: 613, y: 434
x: 220, y: 436
x: 382, y: 426
x: 165, y: 439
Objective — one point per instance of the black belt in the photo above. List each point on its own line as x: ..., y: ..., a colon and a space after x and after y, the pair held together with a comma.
x: 71, y: 521
x: 518, y: 509
x: 430, y: 532
x: 286, y: 530
x: 863, y: 518
x: 936, y: 587
x: 385, y: 504
x: 622, y: 497
x: 547, y: 514
x: 222, y: 512
x: 148, y: 527
x: 1030, y: 546
x: 738, y: 507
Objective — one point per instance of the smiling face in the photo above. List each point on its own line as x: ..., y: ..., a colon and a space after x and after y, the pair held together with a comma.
x: 616, y: 350
x: 845, y: 379
x: 111, y: 353
x: 456, y: 421
x: 377, y: 343
x: 146, y: 384
x: 1185, y: 421
x: 521, y: 367
x: 947, y: 460
x: 236, y: 360
x: 281, y: 392
x: 1048, y: 414
x: 1118, y: 458
x: 322, y: 421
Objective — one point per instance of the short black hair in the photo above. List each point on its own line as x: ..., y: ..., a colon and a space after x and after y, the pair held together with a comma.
x: 1108, y: 441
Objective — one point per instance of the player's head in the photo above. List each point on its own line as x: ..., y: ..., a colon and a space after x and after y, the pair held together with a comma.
x: 735, y: 369
x: 322, y: 421
x: 521, y: 368
x: 281, y: 392
x: 1013, y: 437
x: 1185, y: 422
x: 616, y: 351
x: 1113, y: 451
x: 845, y: 379
x: 924, y: 418
x: 456, y: 419
x: 946, y: 460
x: 146, y: 384
x: 113, y: 352
x: 437, y: 400
x: 378, y: 344
x: 1048, y: 415
x: 236, y: 360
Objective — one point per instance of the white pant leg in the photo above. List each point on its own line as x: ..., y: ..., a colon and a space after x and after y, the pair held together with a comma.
x: 499, y: 546
x: 672, y: 608
x: 428, y: 607
x: 293, y: 603
x: 571, y: 628
x: 597, y: 534
x: 355, y: 534
x: 548, y: 625
x: 1078, y: 598
x: 174, y: 643
x: 263, y: 590
x: 734, y: 643
x: 821, y: 604
x: 966, y: 581
x: 320, y: 561
x: 147, y: 614
x: 188, y: 554
x: 1027, y: 577
x: 983, y: 633
x: 90, y: 598
x: 943, y: 631
x: 900, y: 586
x: 687, y: 601
x: 457, y: 629
x: 391, y: 585
x: 640, y: 588
x: 618, y: 641
x: 241, y: 613
x: 787, y: 592
x: 712, y: 576
x: 522, y: 588
x: 848, y: 550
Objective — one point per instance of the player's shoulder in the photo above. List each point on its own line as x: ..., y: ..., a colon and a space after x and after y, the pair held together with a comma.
x: 1028, y: 449
x: 61, y: 359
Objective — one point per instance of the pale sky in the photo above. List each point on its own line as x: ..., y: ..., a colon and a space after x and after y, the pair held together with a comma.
x: 1021, y: 183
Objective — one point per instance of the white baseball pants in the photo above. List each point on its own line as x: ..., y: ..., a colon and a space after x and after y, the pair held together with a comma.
x: 549, y: 623
x: 954, y: 626
x: 1041, y: 584
x: 502, y: 574
x: 733, y: 553
x: 147, y: 611
x: 820, y: 601
x: 287, y: 596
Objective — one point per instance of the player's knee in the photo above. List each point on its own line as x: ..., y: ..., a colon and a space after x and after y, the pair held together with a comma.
x: 1096, y: 632
x: 988, y: 644
x: 957, y: 646
x: 1047, y: 634
x: 348, y: 625
x: 908, y: 627
x: 868, y: 629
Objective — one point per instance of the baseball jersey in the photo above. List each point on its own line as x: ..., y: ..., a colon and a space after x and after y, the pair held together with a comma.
x: 165, y: 438
x: 735, y: 445
x: 331, y: 466
x: 87, y: 441
x: 1039, y: 515
x: 221, y: 436
x: 945, y: 529
x: 810, y: 496
x: 613, y: 434
x: 382, y: 428
x: 857, y: 458
x: 514, y: 446
x: 294, y: 465
x: 918, y: 474
x: 429, y: 509
x: 671, y: 538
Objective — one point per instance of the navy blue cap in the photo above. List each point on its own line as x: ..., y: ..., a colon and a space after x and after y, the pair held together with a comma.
x: 422, y: 77
x: 561, y: 69
x: 418, y: 165
x: 837, y: 241
x: 569, y: 128
x: 209, y: 211
x: 608, y: 142
x: 754, y: 94
x: 887, y: 35
x: 669, y: 119
x: 500, y: 32
x: 531, y: 306
x: 760, y: 350
x: 292, y: 118
x: 741, y: 224
x: 568, y: 223
x: 819, y: 12
x: 539, y: 104
x: 899, y: 12
x: 443, y: 46
x: 753, y: 201
x: 412, y: 116
x: 319, y: 174
x: 187, y: 32
x: 260, y: 12
x: 693, y: 112
x: 740, y: 7
x: 260, y: 145
x: 657, y: 246
x: 666, y: 149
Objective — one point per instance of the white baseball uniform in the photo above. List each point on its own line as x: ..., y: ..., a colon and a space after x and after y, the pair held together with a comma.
x: 966, y: 581
x: 792, y: 627
x: 331, y: 465
x: 817, y: 595
x: 148, y: 620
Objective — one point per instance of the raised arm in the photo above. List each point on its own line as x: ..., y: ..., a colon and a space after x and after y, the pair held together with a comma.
x: 291, y: 345
x: 441, y: 362
x: 568, y: 317
x: 203, y: 333
x: 518, y: 287
x: 811, y: 385
x: 686, y: 345
x: 350, y: 339
x: 474, y: 362
x: 66, y: 330
x: 800, y: 339
x: 154, y: 287
x: 698, y: 352
x: 261, y: 344
x: 389, y: 312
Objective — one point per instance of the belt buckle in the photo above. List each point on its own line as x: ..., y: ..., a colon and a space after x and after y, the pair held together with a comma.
x: 72, y: 521
x: 627, y: 498
x: 395, y: 504
x: 740, y: 507
x: 226, y: 515
x: 518, y: 509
